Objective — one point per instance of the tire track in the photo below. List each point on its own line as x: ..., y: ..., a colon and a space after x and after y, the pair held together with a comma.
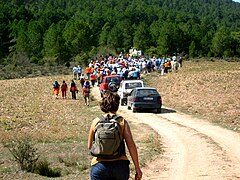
x: 192, y: 154
x: 228, y: 140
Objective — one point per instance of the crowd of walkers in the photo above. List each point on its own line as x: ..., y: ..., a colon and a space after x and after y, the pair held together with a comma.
x: 73, y: 89
x: 126, y: 68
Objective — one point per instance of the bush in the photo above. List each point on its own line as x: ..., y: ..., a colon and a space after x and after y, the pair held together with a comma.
x: 24, y: 153
x: 49, y: 61
x: 82, y: 59
x: 27, y: 158
x: 43, y: 169
x: 12, y: 71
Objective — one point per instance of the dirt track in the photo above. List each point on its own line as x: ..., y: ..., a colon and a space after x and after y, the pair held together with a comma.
x: 194, y: 149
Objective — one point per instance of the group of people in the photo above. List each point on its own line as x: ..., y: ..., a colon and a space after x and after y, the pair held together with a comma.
x: 56, y: 89
x: 77, y: 71
x: 73, y: 89
x: 126, y: 68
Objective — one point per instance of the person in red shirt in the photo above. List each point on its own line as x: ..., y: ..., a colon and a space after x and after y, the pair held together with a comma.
x: 64, y: 89
x: 86, y: 92
x: 73, y: 89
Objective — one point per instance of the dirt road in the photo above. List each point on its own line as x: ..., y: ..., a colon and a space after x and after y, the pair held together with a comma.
x: 194, y: 149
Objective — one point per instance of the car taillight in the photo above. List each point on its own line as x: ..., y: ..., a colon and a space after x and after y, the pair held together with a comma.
x: 105, y: 86
x: 160, y: 99
x: 135, y: 99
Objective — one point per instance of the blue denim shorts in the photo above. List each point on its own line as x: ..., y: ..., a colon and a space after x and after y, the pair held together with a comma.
x: 111, y: 170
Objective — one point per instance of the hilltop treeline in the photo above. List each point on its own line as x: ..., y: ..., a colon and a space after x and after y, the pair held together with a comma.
x: 50, y: 31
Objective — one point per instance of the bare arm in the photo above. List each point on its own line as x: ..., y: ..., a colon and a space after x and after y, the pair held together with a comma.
x: 91, y: 133
x: 132, y: 149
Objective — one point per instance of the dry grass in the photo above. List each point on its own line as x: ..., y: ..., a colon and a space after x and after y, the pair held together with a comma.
x: 210, y: 90
x: 28, y: 106
x: 59, y: 127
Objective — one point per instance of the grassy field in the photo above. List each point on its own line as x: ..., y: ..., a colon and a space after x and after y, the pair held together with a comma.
x: 57, y: 127
x: 209, y: 90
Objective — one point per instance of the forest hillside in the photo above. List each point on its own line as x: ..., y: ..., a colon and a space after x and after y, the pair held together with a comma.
x: 57, y: 32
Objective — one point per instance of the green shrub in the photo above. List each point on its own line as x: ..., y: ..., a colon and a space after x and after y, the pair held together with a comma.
x: 82, y: 59
x: 24, y: 153
x: 49, y: 61
x: 42, y: 168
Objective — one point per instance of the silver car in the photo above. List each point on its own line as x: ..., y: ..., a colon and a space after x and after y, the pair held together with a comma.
x: 126, y: 87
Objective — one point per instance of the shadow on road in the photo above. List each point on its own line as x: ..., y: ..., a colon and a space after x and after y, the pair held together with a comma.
x: 164, y: 111
x: 167, y: 110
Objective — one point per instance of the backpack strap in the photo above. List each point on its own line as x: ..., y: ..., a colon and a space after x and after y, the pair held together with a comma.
x: 115, y: 117
x: 108, y: 117
x: 101, y: 119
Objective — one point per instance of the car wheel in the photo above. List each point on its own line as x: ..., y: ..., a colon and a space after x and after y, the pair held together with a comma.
x: 121, y: 102
x: 159, y: 110
x: 133, y: 109
x: 125, y: 102
x: 128, y: 107
x: 113, y: 87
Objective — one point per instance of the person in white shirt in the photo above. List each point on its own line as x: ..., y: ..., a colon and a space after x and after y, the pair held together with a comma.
x: 174, y: 58
x: 144, y: 66
x: 79, y: 71
x: 75, y: 70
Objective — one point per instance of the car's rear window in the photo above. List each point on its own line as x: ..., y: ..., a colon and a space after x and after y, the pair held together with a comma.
x: 113, y: 79
x: 133, y: 85
x: 146, y: 92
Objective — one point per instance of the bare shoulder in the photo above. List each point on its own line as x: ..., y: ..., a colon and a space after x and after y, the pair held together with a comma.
x: 126, y: 127
x: 94, y: 122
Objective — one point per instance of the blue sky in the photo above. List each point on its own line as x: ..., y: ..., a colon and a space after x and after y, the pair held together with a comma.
x: 236, y: 0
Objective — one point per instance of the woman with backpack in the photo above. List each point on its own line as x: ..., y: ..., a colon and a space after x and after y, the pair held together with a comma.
x: 110, y: 161
x: 82, y: 80
x: 73, y: 89
x: 86, y: 92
